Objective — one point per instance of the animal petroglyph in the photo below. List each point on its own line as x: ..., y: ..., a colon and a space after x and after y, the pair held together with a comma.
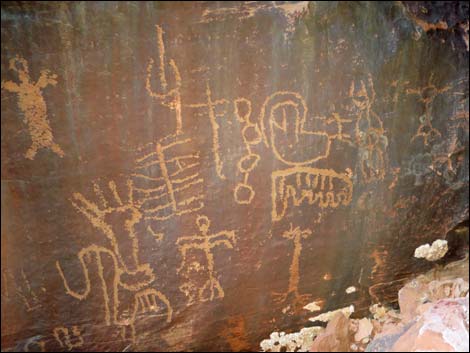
x: 369, y: 132
x: 167, y: 181
x: 322, y: 187
x: 243, y: 192
x: 205, y: 243
x: 168, y: 94
x: 427, y: 95
x: 31, y: 103
x: 295, y: 235
x: 69, y: 339
x: 119, y: 270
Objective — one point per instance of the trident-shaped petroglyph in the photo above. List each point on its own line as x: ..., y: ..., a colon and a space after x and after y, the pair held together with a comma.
x: 167, y: 94
x: 32, y: 104
x: 204, y: 242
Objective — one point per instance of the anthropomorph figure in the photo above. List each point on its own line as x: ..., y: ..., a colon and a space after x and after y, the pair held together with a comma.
x: 204, y: 242
x: 32, y: 104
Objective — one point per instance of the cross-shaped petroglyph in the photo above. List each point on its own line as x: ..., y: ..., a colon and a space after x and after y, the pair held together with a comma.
x: 31, y: 103
x: 205, y: 243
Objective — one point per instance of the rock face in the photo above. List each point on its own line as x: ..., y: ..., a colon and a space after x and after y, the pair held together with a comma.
x: 188, y: 176
x: 335, y: 338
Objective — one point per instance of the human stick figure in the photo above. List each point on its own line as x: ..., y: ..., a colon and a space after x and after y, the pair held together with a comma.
x: 206, y: 243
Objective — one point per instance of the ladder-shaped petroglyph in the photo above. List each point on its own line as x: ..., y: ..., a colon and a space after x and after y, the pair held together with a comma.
x: 167, y: 180
x: 369, y: 131
x: 168, y: 92
x: 203, y: 244
x: 68, y: 339
x: 324, y: 188
x: 296, y: 235
x: 426, y: 95
x: 251, y: 134
x: 122, y: 276
x: 32, y: 105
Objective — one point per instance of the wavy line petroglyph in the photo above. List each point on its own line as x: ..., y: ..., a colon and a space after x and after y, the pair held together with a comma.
x: 31, y: 103
x: 167, y: 180
x: 120, y: 272
x: 322, y: 187
x: 69, y: 339
x: 292, y: 294
x: 204, y: 243
x: 169, y: 97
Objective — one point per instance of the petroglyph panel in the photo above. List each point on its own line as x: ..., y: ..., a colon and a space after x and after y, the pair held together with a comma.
x: 187, y: 176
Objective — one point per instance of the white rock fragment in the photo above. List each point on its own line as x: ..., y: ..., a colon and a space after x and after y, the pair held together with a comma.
x: 313, y: 306
x: 325, y: 317
x: 432, y: 252
x: 292, y: 342
x: 350, y: 290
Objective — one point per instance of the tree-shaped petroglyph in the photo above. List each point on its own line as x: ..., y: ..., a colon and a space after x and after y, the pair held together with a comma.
x: 296, y: 235
x: 31, y: 103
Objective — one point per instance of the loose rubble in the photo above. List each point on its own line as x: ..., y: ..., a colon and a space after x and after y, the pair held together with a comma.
x: 432, y: 252
x: 433, y: 316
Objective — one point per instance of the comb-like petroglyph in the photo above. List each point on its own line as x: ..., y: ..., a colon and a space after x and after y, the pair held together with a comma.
x: 323, y: 188
x: 33, y: 106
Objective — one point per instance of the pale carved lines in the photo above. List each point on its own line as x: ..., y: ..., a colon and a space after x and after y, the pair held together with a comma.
x: 31, y: 103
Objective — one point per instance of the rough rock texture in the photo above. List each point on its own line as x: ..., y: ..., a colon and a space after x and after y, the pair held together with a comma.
x: 188, y: 176
x: 335, y: 338
x: 442, y: 328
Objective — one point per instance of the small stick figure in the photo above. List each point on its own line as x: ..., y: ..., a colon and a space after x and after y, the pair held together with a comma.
x: 211, y: 289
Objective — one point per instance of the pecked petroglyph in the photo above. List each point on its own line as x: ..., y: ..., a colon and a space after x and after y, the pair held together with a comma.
x: 296, y: 235
x: 31, y: 103
x: 369, y: 131
x: 205, y: 243
x: 251, y: 134
x: 121, y: 274
x: 426, y: 95
x: 167, y: 94
x: 167, y: 179
x: 324, y: 188
x: 69, y: 339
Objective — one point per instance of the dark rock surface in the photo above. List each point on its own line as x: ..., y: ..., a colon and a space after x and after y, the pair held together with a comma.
x: 189, y: 175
